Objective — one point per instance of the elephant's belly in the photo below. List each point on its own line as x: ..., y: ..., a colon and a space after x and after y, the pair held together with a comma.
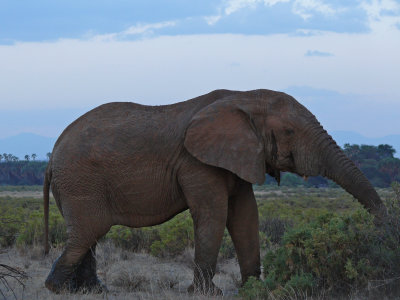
x: 138, y: 205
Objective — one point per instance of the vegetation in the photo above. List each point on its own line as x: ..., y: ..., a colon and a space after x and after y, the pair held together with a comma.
x: 17, y: 172
x: 377, y: 163
x: 337, y: 253
x: 313, y: 240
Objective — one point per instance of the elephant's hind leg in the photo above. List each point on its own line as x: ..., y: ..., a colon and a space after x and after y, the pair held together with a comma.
x: 76, y: 267
x: 86, y: 273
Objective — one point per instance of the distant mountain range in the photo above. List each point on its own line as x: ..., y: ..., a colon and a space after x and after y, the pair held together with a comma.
x: 28, y: 143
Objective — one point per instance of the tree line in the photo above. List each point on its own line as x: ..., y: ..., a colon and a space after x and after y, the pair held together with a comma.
x: 377, y: 163
x: 28, y: 171
x: 12, y: 158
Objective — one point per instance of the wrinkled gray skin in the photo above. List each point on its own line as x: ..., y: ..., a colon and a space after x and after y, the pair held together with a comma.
x: 135, y: 165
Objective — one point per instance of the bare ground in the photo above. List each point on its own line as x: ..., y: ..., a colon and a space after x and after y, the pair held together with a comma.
x: 127, y: 275
x: 22, y: 194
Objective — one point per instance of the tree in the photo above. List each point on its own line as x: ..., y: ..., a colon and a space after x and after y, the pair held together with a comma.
x: 369, y: 152
x: 386, y: 151
x: 376, y: 162
x: 1, y: 157
x: 33, y: 156
x: 27, y: 157
x: 48, y: 155
x: 352, y: 151
x: 390, y: 166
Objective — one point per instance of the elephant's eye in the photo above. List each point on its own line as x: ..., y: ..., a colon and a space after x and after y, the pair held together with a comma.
x: 289, y: 131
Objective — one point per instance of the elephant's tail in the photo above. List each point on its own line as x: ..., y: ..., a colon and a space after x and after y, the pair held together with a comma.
x: 46, y: 192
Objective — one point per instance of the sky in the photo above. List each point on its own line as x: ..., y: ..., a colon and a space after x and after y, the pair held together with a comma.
x: 59, y: 59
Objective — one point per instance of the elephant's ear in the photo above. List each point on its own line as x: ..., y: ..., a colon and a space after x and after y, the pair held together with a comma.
x: 223, y: 135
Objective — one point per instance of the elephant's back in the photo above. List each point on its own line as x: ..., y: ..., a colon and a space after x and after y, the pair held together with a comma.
x: 118, y: 128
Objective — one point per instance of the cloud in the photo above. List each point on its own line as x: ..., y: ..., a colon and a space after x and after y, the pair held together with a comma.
x: 382, y: 14
x: 284, y: 16
x: 235, y: 5
x: 307, y: 8
x: 317, y: 53
x: 303, y: 8
x: 211, y: 20
x: 232, y: 6
x: 136, y: 30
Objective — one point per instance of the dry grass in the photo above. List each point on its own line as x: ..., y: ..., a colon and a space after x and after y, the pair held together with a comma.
x: 127, y: 275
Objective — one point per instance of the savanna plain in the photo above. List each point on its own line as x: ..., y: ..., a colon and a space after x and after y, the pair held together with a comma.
x: 316, y: 243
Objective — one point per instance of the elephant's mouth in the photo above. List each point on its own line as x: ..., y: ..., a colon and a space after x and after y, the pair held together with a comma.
x: 286, y: 163
x: 273, y: 172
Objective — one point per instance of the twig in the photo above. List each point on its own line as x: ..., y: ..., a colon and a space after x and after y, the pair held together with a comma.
x: 13, y: 273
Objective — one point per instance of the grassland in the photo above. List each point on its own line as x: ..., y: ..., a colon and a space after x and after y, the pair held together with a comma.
x: 152, y: 262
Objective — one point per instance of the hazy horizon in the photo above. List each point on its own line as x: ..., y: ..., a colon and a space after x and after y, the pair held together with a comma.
x: 61, y: 59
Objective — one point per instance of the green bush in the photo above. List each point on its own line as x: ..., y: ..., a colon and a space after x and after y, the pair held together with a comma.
x: 11, y: 221
x: 22, y: 222
x: 257, y: 289
x: 227, y: 249
x: 175, y: 236
x: 32, y: 233
x: 334, y: 253
x: 134, y: 239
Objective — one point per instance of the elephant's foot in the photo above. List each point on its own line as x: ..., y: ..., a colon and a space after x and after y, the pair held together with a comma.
x: 93, y: 285
x: 59, y: 285
x: 61, y: 278
x: 74, y: 285
x: 72, y: 279
x: 209, y: 290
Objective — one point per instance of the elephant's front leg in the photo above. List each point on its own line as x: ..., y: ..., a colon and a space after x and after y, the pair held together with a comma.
x: 243, y: 227
x: 207, y: 198
x: 209, y: 225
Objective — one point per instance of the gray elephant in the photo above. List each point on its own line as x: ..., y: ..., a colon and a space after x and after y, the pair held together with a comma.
x: 135, y: 165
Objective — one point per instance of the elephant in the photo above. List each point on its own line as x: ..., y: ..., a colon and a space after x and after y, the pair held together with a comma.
x: 136, y: 165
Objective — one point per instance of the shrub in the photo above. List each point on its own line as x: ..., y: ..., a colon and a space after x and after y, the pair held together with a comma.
x: 332, y: 249
x: 22, y: 222
x: 274, y: 228
x: 175, y: 235
x: 227, y: 249
x: 134, y: 239
x: 32, y: 232
x: 335, y: 253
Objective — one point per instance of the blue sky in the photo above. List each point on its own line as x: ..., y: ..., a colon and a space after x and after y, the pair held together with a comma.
x: 49, y: 20
x: 61, y: 58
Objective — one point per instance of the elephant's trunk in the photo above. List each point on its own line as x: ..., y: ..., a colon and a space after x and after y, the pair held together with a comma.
x: 335, y: 165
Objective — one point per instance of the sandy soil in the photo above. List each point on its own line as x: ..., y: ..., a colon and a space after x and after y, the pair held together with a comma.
x: 22, y: 194
x: 127, y: 275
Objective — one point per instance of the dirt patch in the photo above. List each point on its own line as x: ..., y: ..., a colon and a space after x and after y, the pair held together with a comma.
x: 127, y: 275
x: 22, y: 194
x: 268, y: 193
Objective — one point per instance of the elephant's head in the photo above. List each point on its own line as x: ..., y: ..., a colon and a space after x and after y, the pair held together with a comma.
x: 262, y: 131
